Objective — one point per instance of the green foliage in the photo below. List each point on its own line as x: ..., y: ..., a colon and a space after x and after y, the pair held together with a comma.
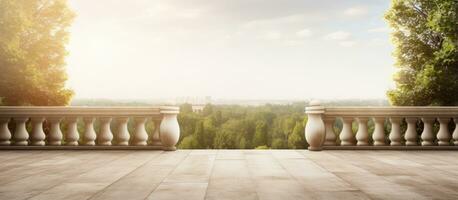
x: 260, y: 136
x: 241, y: 127
x: 262, y: 147
x: 33, y: 35
x: 297, y: 138
x: 189, y: 142
x: 425, y: 33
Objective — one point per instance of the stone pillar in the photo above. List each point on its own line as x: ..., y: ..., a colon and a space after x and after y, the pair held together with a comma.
x: 427, y: 135
x: 395, y: 134
x: 411, y: 135
x: 5, y: 134
x: 140, y: 135
x: 155, y: 137
x: 37, y: 136
x: 314, y: 129
x: 72, y: 136
x: 444, y: 134
x: 379, y: 131
x: 89, y: 132
x: 455, y: 132
x: 169, y: 130
x: 105, y: 136
x: 347, y: 138
x: 122, y: 136
x: 20, y: 135
x: 55, y: 134
x: 362, y: 136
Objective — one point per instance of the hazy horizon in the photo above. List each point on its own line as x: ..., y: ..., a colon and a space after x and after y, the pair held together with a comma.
x: 230, y: 49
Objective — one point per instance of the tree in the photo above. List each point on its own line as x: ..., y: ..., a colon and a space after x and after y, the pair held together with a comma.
x: 199, y: 135
x: 297, y: 139
x: 32, y: 52
x: 425, y: 34
x: 188, y: 142
x: 260, y: 135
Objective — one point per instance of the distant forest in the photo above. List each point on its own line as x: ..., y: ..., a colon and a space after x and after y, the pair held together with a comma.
x: 243, y: 127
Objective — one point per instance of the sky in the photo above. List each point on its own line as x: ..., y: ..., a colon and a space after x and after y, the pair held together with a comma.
x: 232, y: 49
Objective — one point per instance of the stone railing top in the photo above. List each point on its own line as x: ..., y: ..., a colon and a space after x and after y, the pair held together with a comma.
x: 389, y: 111
x: 82, y: 111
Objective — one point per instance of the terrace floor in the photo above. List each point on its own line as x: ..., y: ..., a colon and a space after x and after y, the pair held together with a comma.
x: 228, y: 174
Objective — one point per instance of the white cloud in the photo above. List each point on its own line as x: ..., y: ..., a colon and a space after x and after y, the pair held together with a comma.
x: 379, y: 30
x: 304, y: 33
x: 357, y: 11
x: 338, y: 35
x: 347, y: 43
x: 271, y: 35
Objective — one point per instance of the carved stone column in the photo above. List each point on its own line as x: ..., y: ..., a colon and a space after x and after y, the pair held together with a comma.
x: 444, y: 134
x: 5, y: 134
x: 455, y: 132
x: 72, y: 136
x: 411, y: 135
x: 347, y: 138
x: 89, y: 132
x: 395, y: 134
x: 379, y: 132
x: 427, y: 135
x: 20, y: 135
x: 362, y: 136
x: 55, y: 134
x: 155, y: 137
x: 37, y: 136
x: 314, y: 129
x: 140, y: 135
x: 122, y: 136
x: 105, y: 136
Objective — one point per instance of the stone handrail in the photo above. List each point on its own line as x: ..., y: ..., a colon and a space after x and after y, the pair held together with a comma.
x: 320, y: 134
x: 165, y: 136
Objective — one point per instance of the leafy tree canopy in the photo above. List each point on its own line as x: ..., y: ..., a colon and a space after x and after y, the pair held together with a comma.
x: 425, y: 34
x: 33, y: 34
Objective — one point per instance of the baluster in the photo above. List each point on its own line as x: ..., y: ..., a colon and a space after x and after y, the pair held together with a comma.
x: 170, y: 131
x: 140, y: 136
x: 455, y: 132
x: 123, y: 136
x: 444, y: 134
x: 105, y: 136
x: 89, y: 132
x: 427, y: 135
x: 395, y: 134
x: 55, y: 134
x: 72, y: 136
x: 37, y: 136
x: 346, y: 135
x: 155, y: 137
x: 330, y: 136
x: 362, y: 136
x: 20, y: 135
x: 411, y: 135
x: 5, y: 134
x: 379, y: 132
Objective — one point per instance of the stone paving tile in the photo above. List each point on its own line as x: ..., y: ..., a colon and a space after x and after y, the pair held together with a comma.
x: 228, y: 174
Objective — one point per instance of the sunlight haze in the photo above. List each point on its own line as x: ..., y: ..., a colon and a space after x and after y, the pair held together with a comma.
x: 269, y: 49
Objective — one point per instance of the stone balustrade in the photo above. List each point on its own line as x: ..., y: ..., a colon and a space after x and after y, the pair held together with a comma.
x: 319, y: 131
x: 23, y: 127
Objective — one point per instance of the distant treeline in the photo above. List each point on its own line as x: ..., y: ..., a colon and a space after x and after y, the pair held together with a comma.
x: 243, y: 127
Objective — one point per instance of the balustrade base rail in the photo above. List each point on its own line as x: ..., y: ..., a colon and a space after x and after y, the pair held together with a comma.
x: 83, y: 148
x: 319, y: 131
x: 28, y: 132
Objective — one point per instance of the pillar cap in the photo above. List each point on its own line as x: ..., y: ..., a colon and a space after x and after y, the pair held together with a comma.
x: 314, y: 107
